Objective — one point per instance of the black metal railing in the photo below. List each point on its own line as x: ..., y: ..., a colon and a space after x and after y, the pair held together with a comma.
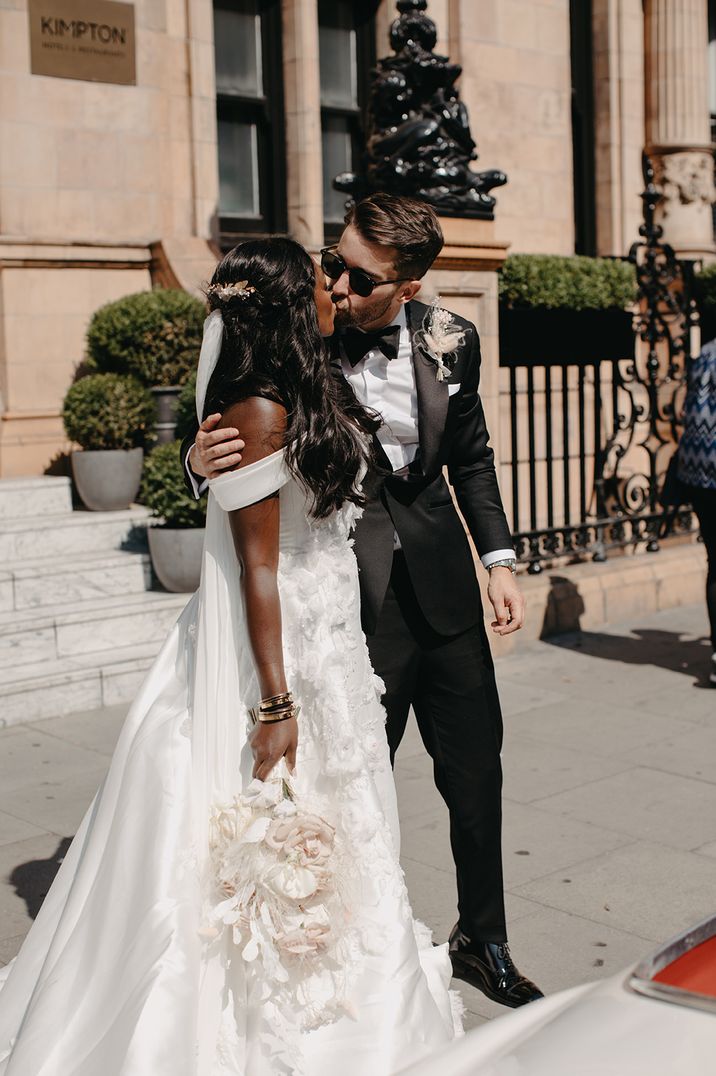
x: 589, y: 439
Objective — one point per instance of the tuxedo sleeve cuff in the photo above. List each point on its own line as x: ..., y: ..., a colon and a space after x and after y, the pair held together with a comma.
x: 495, y: 555
x: 198, y: 485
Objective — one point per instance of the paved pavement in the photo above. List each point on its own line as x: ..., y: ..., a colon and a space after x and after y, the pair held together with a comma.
x: 609, y: 807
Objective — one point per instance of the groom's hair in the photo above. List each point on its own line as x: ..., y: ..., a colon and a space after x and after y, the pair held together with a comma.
x: 412, y: 227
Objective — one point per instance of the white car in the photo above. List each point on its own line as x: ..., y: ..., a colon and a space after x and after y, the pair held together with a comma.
x: 658, y: 1019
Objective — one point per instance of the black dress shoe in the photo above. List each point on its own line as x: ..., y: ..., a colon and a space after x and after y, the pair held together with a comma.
x: 488, y: 966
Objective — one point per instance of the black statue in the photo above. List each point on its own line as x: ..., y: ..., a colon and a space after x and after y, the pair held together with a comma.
x: 418, y: 137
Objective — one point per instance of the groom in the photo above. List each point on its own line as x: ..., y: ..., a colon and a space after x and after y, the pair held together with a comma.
x: 420, y: 599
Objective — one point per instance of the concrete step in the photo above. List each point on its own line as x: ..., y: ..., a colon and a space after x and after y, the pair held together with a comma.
x: 49, y: 581
x: 64, y: 686
x: 86, y: 627
x: 77, y: 532
x: 21, y: 498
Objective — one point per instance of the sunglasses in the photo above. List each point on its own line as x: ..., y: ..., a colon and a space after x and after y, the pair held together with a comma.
x: 361, y: 283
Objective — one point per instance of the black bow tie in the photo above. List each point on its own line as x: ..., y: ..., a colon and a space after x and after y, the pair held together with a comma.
x: 357, y: 343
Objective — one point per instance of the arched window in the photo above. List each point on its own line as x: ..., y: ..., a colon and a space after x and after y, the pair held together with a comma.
x: 250, y: 118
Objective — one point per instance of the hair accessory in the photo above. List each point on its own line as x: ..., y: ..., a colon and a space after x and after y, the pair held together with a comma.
x: 240, y: 290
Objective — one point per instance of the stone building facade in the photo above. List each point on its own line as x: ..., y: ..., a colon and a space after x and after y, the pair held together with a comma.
x: 237, y: 114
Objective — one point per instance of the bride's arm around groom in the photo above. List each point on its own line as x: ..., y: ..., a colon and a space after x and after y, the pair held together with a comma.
x: 255, y: 531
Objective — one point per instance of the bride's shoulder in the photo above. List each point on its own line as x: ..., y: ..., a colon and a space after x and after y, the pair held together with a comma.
x: 263, y: 470
x: 261, y: 423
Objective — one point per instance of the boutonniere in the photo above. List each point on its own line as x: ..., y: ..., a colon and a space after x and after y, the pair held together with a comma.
x: 439, y: 336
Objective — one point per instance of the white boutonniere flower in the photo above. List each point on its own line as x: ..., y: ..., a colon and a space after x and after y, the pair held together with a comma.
x: 439, y: 336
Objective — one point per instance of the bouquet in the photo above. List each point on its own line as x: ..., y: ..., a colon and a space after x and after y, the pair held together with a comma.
x: 279, y: 872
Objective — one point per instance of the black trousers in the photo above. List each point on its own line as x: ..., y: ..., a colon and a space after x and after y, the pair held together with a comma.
x: 450, y: 683
x: 704, y: 504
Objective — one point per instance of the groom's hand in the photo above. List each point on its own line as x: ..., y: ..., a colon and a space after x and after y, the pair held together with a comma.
x: 507, y: 601
x: 215, y: 451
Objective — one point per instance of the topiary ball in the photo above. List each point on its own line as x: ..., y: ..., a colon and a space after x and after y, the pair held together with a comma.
x: 154, y: 335
x: 108, y: 411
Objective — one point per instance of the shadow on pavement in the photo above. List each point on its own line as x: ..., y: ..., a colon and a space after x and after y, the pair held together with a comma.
x: 32, y: 880
x: 664, y: 649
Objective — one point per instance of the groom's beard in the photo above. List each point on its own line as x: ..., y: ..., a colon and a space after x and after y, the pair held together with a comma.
x: 371, y: 310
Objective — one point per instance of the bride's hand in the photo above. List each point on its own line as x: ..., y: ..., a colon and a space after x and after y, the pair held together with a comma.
x: 272, y: 741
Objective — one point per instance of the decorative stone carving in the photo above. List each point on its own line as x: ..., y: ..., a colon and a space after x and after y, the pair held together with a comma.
x: 687, y: 178
x: 418, y: 132
x: 686, y: 181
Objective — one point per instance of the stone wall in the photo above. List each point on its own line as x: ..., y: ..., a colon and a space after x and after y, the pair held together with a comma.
x: 90, y: 175
x: 516, y: 85
x: 104, y: 188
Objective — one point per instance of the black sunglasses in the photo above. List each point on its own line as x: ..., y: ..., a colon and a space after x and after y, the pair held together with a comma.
x: 334, y: 267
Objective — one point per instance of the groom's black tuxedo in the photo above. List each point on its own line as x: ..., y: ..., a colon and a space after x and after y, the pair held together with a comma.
x: 422, y: 612
x: 419, y: 508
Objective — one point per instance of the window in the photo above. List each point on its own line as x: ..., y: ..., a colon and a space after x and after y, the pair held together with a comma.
x: 584, y: 167
x: 250, y: 122
x: 347, y: 54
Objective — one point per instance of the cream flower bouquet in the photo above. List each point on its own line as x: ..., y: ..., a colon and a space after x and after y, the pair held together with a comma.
x: 280, y: 875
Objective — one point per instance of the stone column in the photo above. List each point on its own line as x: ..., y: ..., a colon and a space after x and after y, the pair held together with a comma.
x: 303, y: 122
x: 678, y: 135
x: 618, y: 32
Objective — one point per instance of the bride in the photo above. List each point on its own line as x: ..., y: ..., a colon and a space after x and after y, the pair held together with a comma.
x: 138, y: 964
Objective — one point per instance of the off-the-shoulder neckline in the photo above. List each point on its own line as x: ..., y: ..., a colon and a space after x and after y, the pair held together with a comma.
x: 250, y: 468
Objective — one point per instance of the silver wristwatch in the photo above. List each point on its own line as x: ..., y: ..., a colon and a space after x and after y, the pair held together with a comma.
x: 510, y: 563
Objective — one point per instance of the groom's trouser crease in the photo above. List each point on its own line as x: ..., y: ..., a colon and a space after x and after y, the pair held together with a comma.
x: 450, y: 683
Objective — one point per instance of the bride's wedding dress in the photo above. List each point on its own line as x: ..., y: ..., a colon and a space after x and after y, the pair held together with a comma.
x: 117, y: 977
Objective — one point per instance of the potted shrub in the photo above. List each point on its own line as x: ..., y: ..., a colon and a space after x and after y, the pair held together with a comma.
x: 555, y: 308
x: 154, y: 335
x: 109, y: 416
x: 177, y: 539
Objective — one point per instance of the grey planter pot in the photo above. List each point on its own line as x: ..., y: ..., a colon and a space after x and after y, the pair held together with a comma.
x: 176, y: 557
x: 166, y: 398
x: 108, y: 480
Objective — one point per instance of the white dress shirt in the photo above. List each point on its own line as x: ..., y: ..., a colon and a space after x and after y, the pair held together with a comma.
x: 388, y: 387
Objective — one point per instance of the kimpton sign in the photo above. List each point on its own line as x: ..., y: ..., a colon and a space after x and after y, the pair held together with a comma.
x: 85, y: 39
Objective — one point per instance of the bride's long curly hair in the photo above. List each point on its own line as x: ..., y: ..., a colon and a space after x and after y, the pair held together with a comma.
x: 273, y: 348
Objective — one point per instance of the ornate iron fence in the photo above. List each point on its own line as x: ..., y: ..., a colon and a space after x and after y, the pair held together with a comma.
x: 590, y: 439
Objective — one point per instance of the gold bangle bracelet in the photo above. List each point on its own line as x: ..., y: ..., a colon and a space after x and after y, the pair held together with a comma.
x: 276, y: 700
x: 257, y: 718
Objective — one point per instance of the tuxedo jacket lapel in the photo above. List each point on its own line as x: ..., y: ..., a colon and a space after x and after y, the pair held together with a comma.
x: 433, y: 395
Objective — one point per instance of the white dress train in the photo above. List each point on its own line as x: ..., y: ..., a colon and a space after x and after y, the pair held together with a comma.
x: 114, y: 977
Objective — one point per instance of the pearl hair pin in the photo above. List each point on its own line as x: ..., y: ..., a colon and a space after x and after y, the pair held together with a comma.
x: 241, y: 290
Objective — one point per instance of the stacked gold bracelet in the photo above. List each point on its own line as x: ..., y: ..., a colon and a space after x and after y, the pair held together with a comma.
x: 277, y: 708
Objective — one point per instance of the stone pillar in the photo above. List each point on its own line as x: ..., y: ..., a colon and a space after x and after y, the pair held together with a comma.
x: 303, y: 122
x: 677, y: 121
x: 618, y: 32
x: 465, y: 278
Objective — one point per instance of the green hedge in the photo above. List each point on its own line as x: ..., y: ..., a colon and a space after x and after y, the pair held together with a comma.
x: 105, y: 411
x: 705, y: 286
x: 553, y: 282
x: 164, y: 491
x: 154, y: 335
